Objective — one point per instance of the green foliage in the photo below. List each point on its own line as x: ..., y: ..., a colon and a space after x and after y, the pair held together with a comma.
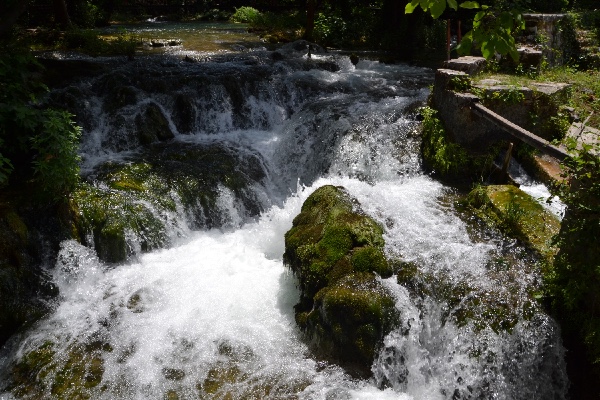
x: 56, y: 164
x: 355, y: 29
x: 576, y: 278
x: 6, y: 167
x: 493, y: 32
x: 511, y: 95
x: 37, y: 142
x: 330, y: 29
x: 493, y: 29
x: 85, y: 14
x: 460, y: 84
x: 246, y: 15
x: 443, y: 156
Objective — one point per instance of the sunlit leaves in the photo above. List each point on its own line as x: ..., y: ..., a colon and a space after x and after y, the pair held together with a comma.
x: 410, y: 7
x: 435, y: 7
x: 469, y: 4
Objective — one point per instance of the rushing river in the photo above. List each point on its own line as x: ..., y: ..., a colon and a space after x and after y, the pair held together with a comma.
x: 211, y: 316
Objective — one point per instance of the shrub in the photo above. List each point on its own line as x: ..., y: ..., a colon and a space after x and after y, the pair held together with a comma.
x: 246, y: 15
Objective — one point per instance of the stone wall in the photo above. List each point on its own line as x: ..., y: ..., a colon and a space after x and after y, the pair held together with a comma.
x: 547, y: 37
x: 532, y: 108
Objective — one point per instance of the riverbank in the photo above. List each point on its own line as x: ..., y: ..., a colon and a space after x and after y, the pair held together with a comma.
x: 460, y: 144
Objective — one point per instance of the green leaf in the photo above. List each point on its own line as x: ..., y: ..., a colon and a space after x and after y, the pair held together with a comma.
x: 514, y: 54
x: 502, y: 46
x: 479, y: 16
x: 487, y: 49
x: 464, y: 48
x: 453, y: 4
x: 437, y: 8
x: 506, y: 21
x: 469, y: 4
x: 410, y: 7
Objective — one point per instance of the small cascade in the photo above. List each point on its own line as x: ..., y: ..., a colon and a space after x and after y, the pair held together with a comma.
x: 201, y: 305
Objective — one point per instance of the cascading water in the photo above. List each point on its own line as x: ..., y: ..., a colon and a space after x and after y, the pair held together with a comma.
x: 212, y: 315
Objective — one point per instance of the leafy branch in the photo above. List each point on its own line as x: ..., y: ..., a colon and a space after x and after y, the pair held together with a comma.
x: 493, y: 29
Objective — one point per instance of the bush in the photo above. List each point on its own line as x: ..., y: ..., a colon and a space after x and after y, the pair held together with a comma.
x: 246, y: 15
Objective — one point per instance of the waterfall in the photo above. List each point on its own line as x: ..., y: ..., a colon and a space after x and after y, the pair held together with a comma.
x: 211, y: 315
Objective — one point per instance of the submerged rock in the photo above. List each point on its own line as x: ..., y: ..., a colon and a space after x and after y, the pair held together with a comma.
x: 152, y: 125
x: 184, y: 113
x: 336, y: 251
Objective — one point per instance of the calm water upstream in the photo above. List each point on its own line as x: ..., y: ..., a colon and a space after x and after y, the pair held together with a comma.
x: 211, y: 316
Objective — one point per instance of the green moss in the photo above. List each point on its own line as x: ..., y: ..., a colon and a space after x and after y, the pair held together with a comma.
x: 130, y: 204
x: 323, y: 234
x: 28, y: 375
x: 335, y: 250
x: 108, y: 215
x: 518, y: 214
x: 371, y: 259
x: 354, y: 314
x: 448, y: 159
x: 336, y: 243
x: 43, y: 372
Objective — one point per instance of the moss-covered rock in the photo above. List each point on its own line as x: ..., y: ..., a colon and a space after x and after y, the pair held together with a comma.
x: 152, y: 125
x: 131, y: 206
x: 47, y: 372
x: 349, y: 320
x: 336, y: 251
x: 518, y: 214
x: 119, y: 97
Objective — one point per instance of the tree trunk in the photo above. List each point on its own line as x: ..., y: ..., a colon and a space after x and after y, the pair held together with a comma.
x: 311, y: 10
x: 61, y: 16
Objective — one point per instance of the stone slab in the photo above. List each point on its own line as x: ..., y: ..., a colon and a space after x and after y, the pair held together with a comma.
x: 469, y: 64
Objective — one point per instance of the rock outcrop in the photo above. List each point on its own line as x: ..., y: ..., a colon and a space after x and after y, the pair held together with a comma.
x: 337, y: 253
x: 131, y: 207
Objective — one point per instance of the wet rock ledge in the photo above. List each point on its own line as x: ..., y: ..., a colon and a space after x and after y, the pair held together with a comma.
x: 336, y: 251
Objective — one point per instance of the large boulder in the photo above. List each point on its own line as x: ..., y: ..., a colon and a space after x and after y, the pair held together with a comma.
x: 336, y: 251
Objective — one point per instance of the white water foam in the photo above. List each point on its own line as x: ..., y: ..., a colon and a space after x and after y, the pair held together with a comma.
x: 212, y: 316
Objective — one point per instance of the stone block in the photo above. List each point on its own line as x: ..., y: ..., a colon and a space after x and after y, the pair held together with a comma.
x: 469, y: 64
